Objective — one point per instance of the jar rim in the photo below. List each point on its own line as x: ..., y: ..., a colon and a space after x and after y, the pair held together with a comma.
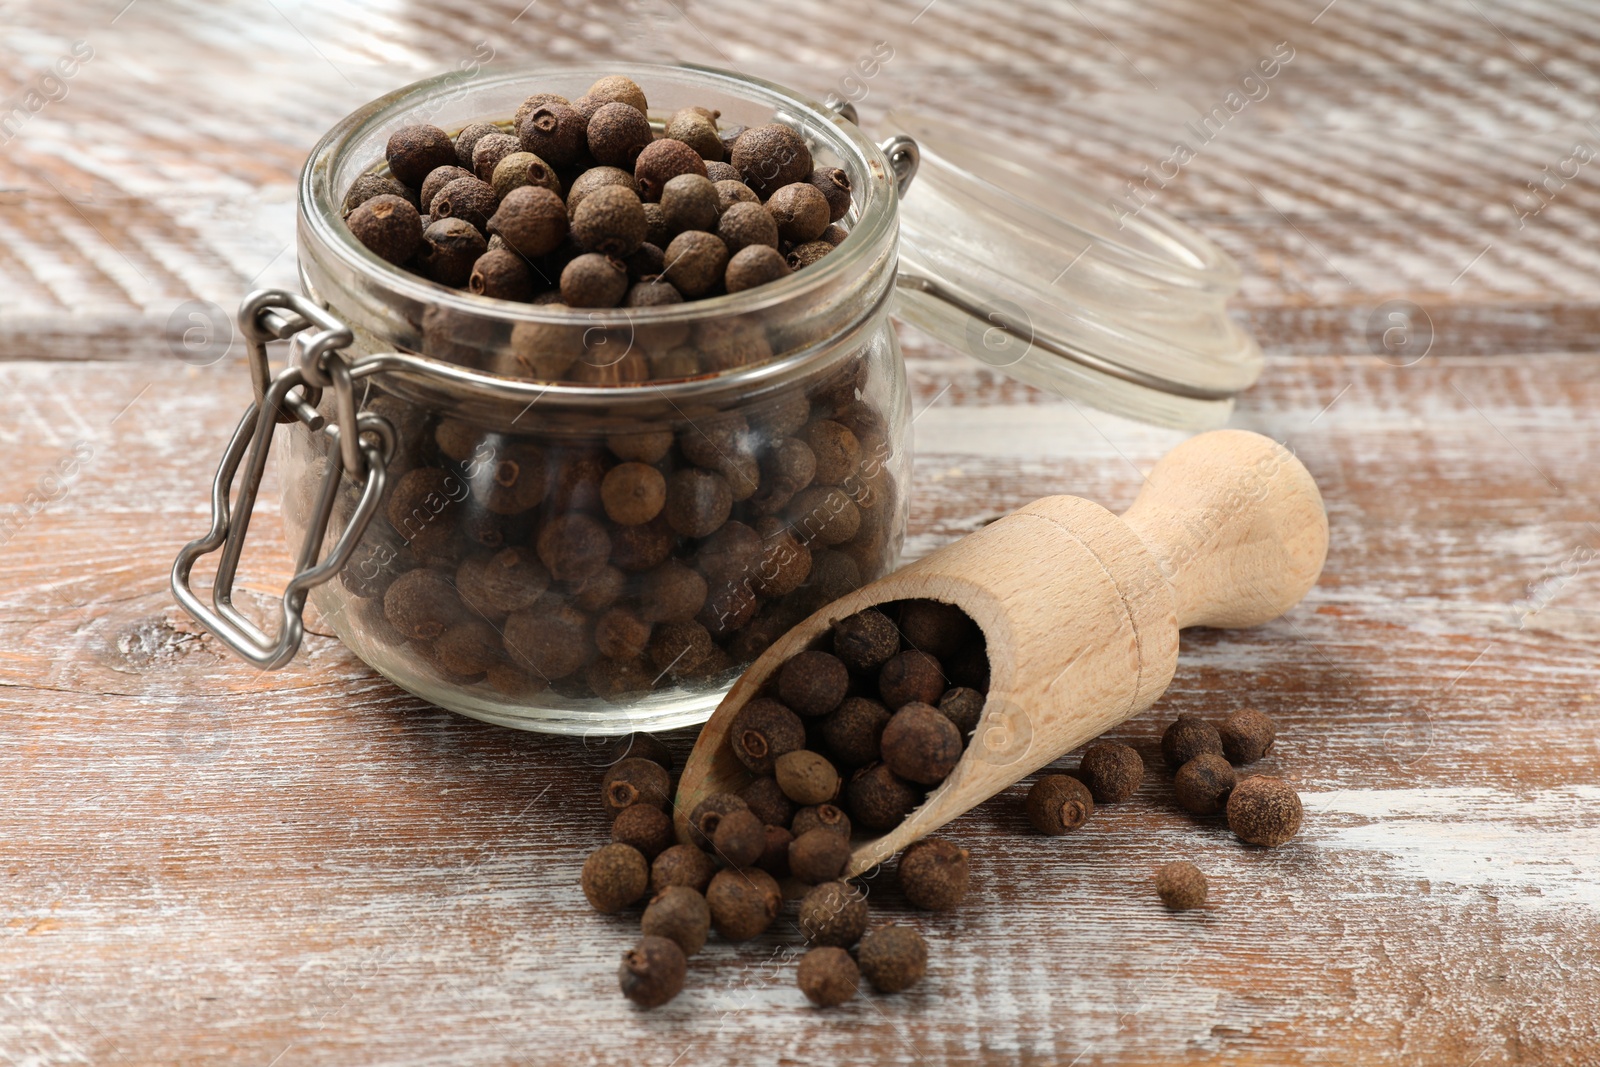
x: 874, y: 212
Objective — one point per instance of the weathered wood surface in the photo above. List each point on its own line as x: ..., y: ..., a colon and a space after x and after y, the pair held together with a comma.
x: 204, y: 864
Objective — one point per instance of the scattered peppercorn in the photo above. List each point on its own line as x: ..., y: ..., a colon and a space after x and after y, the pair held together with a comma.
x: 1181, y: 885
x: 680, y: 915
x: 893, y: 958
x: 614, y: 876
x: 1189, y: 736
x: 828, y: 976
x: 766, y: 798
x: 743, y: 902
x: 1203, y: 784
x: 833, y: 913
x: 1112, y: 771
x: 1264, y: 811
x: 635, y: 780
x: 813, y: 683
x: 685, y: 865
x: 934, y: 874
x: 652, y: 972
x: 806, y: 777
x: 436, y: 180
x: 646, y: 828
x: 775, y: 856
x: 389, y: 226
x: 879, y: 799
x: 854, y: 731
x: 740, y: 838
x: 911, y: 676
x: 708, y: 814
x: 1247, y: 735
x: 1058, y: 804
x: 818, y: 855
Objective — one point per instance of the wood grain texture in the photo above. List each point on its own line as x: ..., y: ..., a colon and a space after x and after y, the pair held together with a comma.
x: 204, y: 864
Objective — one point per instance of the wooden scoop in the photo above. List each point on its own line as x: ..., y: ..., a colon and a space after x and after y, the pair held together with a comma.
x: 1081, y: 610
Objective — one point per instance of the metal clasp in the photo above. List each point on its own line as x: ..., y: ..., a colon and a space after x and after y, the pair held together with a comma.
x: 316, y: 362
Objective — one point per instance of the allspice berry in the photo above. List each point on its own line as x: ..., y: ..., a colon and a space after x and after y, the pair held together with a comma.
x: 708, y: 815
x: 731, y: 191
x: 450, y: 248
x: 697, y: 129
x: 866, y: 639
x: 695, y: 262
x: 775, y: 857
x: 739, y: 839
x: 437, y: 179
x: 422, y: 605
x: 1189, y: 736
x: 684, y: 865
x: 743, y: 902
x: 911, y: 676
x: 646, y: 828
x: 531, y: 220
x: 698, y: 501
x: 635, y: 781
x: 892, y: 958
x: 806, y: 777
x: 501, y: 274
x: 837, y: 450
x: 813, y: 683
x: 489, y: 150
x: 762, y: 731
x: 573, y: 546
x: 413, y: 151
x: 934, y: 874
x: 467, y: 199
x: 828, y: 976
x: 744, y: 225
x: 680, y: 915
x: 617, y: 133
x: 1181, y: 885
x: 879, y: 799
x: 964, y: 707
x: 1204, y: 783
x: 598, y: 178
x: 821, y: 817
x: 662, y: 160
x: 614, y: 876
x: 1058, y: 804
x: 834, y: 185
x: 801, y: 212
x: 652, y: 972
x: 920, y: 744
x: 555, y: 133
x: 854, y: 731
x: 818, y: 856
x: 1112, y: 771
x: 801, y: 256
x: 467, y: 140
x: 369, y: 185
x: 770, y: 157
x: 939, y: 629
x: 619, y: 88
x: 833, y: 913
x: 1247, y: 735
x: 1264, y: 811
x: 523, y: 170
x: 620, y: 634
x: 389, y: 226
x: 609, y: 221
x: 594, y: 281
x: 753, y: 266
x: 689, y: 202
x: 767, y: 800
x: 633, y: 493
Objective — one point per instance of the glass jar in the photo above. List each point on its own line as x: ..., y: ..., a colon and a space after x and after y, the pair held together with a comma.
x: 590, y: 520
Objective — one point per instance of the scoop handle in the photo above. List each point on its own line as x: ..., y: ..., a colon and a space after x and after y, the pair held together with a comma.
x: 1236, y: 525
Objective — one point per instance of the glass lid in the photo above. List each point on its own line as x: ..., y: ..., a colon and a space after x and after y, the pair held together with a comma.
x: 1039, y: 275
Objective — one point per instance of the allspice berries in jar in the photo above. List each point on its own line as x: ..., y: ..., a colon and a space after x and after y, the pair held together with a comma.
x: 594, y: 518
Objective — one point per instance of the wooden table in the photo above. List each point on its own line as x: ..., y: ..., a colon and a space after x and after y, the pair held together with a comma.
x: 204, y: 864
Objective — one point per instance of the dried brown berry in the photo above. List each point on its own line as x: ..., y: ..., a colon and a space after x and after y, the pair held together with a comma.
x: 743, y: 902
x: 1181, y: 885
x: 806, y: 777
x: 821, y: 816
x: 594, y: 281
x: 389, y: 226
x: 878, y: 799
x: 489, y: 150
x: 503, y: 275
x: 660, y: 162
x: 680, y: 915
x: 813, y: 683
x: 450, y: 247
x: 740, y: 838
x: 775, y: 856
x: 532, y: 221
x: 1189, y: 736
x: 645, y: 827
x: 598, y: 178
x: 785, y: 562
x: 689, y: 202
x: 468, y: 139
x: 684, y: 865
x: 1058, y: 804
x: 370, y: 185
x: 610, y: 220
x: 802, y: 256
x: 833, y: 913
x: 511, y: 580
x: 762, y: 731
x: 719, y: 171
x: 729, y: 554
x: 854, y: 731
x: 652, y: 972
x: 421, y: 605
x: 1112, y: 771
x: 684, y: 650
x: 413, y: 151
x: 828, y: 976
x: 824, y: 514
x: 436, y: 180
x: 834, y: 185
x: 618, y: 88
x: 818, y: 855
x: 835, y: 235
x: 521, y: 170
x: 708, y: 814
x: 731, y: 191
x: 753, y: 266
x: 639, y: 548
x: 573, y: 546
x: 614, y: 876
x: 937, y: 628
x: 866, y: 639
x: 837, y: 450
x: 548, y: 640
x: 698, y: 131
x: 892, y: 958
x: 745, y: 225
x: 554, y: 132
x: 695, y: 262
x: 617, y: 133
x: 621, y: 634
x: 1203, y: 784
x: 766, y: 799
x: 934, y: 874
x: 635, y: 780
x: 920, y: 744
x: 1264, y: 811
x: 698, y: 501
x: 911, y: 676
x: 1247, y: 735
x: 801, y: 212
x: 964, y: 707
x: 770, y: 157
x: 633, y: 493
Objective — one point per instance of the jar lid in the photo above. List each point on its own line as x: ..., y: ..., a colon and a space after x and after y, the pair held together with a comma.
x: 1035, y: 273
